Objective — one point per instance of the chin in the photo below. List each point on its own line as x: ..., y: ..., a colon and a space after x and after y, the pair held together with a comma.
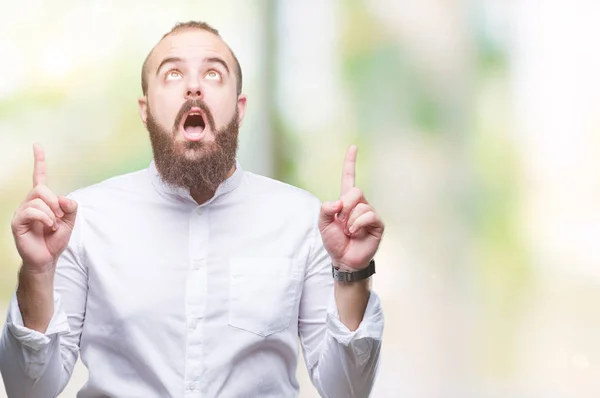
x: 195, y: 149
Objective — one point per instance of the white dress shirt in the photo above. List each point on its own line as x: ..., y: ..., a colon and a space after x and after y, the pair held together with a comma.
x: 168, y: 298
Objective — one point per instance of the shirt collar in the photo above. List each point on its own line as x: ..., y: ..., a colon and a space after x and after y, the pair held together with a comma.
x: 181, y: 193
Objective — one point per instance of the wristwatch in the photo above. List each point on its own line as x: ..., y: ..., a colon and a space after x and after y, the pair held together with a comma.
x: 343, y: 276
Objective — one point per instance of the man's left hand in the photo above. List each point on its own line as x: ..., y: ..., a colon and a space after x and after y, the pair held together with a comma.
x: 350, y: 228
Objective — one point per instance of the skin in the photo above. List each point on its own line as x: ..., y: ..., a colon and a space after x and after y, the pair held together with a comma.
x: 202, y: 67
x: 350, y: 228
x: 193, y: 76
x: 351, y: 231
x: 41, y: 228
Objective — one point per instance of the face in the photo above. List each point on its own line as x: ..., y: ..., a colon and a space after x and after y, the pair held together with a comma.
x: 192, y: 110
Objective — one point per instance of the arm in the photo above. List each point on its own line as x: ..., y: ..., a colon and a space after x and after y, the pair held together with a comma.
x: 351, y: 232
x: 341, y: 362
x: 343, y: 358
x: 40, y: 340
x: 39, y: 363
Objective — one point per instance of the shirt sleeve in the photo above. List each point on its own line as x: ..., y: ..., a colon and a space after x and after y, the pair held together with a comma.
x: 340, y: 362
x: 35, y: 364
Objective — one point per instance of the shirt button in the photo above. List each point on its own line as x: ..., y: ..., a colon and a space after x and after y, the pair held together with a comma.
x: 196, y: 265
x: 199, y: 211
x: 193, y: 323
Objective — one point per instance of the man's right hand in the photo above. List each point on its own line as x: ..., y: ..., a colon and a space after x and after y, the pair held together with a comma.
x: 43, y: 223
x: 42, y: 227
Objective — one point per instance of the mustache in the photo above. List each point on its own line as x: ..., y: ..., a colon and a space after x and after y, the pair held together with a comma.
x: 195, y: 103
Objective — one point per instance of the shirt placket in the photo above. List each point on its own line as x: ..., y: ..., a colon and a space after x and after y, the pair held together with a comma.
x: 196, y: 301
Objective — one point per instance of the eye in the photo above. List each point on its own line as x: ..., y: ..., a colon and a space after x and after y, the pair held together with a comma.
x: 213, y: 75
x: 173, y: 74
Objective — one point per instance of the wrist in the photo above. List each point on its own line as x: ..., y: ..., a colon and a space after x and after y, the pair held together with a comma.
x: 347, y: 268
x: 29, y: 268
x: 343, y: 267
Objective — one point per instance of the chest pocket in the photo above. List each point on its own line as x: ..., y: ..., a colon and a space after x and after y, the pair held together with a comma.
x: 262, y: 293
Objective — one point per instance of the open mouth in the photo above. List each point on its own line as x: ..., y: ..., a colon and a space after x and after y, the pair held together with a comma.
x: 193, y: 126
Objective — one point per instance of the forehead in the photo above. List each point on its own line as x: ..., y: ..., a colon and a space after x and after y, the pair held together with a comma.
x: 192, y: 45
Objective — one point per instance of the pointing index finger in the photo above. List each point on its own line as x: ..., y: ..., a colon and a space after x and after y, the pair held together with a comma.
x: 39, y: 165
x: 349, y: 170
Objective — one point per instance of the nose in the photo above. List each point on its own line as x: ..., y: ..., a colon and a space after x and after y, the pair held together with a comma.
x: 193, y: 90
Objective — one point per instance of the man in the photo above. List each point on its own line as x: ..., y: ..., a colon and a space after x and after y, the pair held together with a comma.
x: 193, y: 278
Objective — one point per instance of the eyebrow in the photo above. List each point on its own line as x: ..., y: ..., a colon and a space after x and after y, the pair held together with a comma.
x: 217, y: 60
x: 168, y: 60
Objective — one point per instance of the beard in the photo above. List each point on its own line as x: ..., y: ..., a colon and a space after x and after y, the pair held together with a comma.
x: 199, y: 165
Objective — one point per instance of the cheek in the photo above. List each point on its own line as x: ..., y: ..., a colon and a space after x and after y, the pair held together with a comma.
x: 164, y: 110
x: 224, y: 110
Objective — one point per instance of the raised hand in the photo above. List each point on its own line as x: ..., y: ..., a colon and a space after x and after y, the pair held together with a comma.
x: 350, y: 228
x: 42, y: 225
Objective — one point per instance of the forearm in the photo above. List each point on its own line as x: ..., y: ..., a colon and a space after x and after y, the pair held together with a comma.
x: 35, y: 295
x: 33, y: 364
x: 347, y: 362
x: 30, y: 373
x: 351, y: 300
x: 39, y: 345
x: 347, y: 371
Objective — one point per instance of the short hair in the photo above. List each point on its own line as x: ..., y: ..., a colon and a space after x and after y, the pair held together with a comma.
x: 185, y: 26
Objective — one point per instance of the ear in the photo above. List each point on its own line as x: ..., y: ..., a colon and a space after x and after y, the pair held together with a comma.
x: 143, y: 104
x: 241, y: 105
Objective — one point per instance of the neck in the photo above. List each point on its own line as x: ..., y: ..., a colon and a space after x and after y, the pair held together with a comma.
x: 202, y: 196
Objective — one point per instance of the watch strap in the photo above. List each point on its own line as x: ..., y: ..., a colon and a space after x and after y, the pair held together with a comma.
x: 344, y: 276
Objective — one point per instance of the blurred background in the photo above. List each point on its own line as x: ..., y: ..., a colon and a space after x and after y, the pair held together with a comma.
x: 477, y: 124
